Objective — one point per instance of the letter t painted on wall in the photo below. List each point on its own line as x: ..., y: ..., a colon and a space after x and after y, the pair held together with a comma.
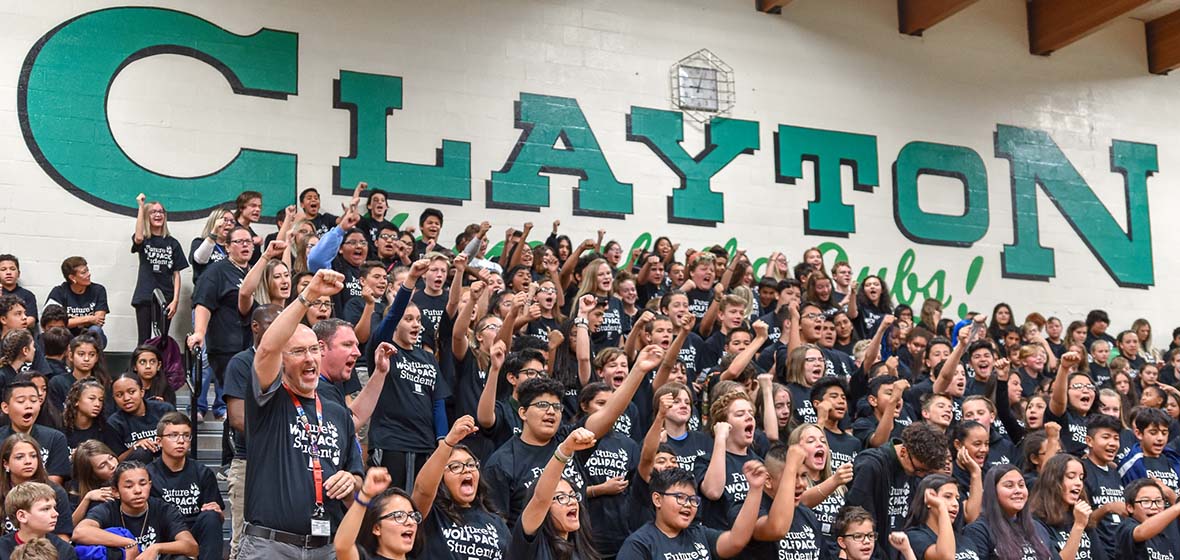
x: 828, y: 150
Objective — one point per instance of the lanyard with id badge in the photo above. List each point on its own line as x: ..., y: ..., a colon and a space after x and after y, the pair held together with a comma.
x: 321, y: 526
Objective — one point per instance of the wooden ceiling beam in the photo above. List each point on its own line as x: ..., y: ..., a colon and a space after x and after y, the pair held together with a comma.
x: 771, y: 6
x: 916, y: 16
x: 1163, y: 43
x: 1053, y: 24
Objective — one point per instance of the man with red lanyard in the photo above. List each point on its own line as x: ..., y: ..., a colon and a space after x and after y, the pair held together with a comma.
x: 304, y: 460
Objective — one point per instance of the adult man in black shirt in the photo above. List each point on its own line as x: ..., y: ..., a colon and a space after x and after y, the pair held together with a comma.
x: 84, y: 301
x: 884, y: 478
x: 304, y: 458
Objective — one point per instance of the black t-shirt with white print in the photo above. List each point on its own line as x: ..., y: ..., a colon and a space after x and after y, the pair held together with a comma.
x: 55, y: 449
x: 160, y: 524
x: 697, y: 542
x: 217, y: 291
x: 92, y: 300
x: 615, y: 323
x: 513, y: 469
x: 1103, y: 486
x: 479, y: 534
x: 803, y: 541
x: 65, y: 521
x: 217, y: 255
x: 1164, y: 546
x: 1089, y: 548
x: 159, y: 257
x: 715, y: 513
x: 129, y: 428
x: 615, y: 455
x: 279, y: 483
x: 352, y: 285
x: 404, y: 417
x: 193, y: 486
x: 698, y: 302
x: 432, y: 308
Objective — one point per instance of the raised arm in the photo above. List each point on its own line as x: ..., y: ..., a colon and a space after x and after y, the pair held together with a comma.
x: 581, y: 335
x: 377, y: 480
x: 713, y: 483
x: 141, y: 227
x: 766, y: 394
x: 364, y: 323
x: 459, y: 342
x: 537, y: 509
x: 1059, y: 395
x: 947, y: 373
x: 873, y: 351
x: 456, y: 292
x: 714, y: 309
x: 673, y: 354
x: 603, y: 421
x: 850, y: 301
x: 571, y: 264
x: 733, y: 541
x: 254, y: 278
x: 631, y: 345
x: 485, y: 411
x: 774, y: 525
x: 268, y: 357
x: 744, y: 358
x: 651, y: 441
x: 521, y: 246
x: 426, y: 484
x: 366, y: 401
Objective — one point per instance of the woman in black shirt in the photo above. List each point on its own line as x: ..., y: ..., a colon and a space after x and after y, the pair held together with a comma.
x: 551, y: 527
x: 161, y: 259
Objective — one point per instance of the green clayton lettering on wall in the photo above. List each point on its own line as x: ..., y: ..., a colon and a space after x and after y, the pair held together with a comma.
x: 1036, y: 159
x: 370, y: 98
x: 827, y: 150
x: 958, y: 162
x: 63, y: 94
x: 544, y: 121
x: 725, y: 139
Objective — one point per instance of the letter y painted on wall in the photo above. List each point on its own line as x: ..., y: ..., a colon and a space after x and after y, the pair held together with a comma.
x: 62, y: 98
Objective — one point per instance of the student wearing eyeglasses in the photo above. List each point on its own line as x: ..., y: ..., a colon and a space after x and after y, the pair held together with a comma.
x: 1070, y: 401
x: 552, y: 524
x: 675, y: 531
x: 381, y: 524
x: 512, y: 469
x: 458, y: 522
x: 1150, y: 531
x: 188, y: 485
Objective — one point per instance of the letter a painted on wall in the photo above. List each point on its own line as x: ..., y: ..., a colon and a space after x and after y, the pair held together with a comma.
x: 725, y: 139
x: 544, y: 121
x: 62, y: 100
x: 1036, y: 160
x: 370, y: 98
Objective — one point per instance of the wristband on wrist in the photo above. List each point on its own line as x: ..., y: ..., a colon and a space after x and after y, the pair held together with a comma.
x: 303, y: 299
x: 563, y: 459
x: 356, y: 497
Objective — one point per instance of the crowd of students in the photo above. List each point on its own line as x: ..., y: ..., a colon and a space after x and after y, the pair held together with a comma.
x: 388, y: 394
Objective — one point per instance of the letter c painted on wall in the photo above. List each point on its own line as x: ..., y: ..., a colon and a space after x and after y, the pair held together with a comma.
x: 62, y: 98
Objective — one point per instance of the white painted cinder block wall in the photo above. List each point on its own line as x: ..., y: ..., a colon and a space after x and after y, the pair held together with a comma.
x: 835, y: 64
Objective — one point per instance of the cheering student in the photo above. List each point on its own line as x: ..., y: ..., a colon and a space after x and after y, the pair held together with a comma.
x: 804, y: 367
x: 785, y: 525
x: 1151, y: 456
x: 1005, y: 530
x: 298, y: 477
x: 1059, y: 505
x: 607, y: 470
x: 1070, y: 400
x: 31, y: 506
x: 551, y: 525
x: 188, y: 485
x: 825, y: 488
x: 653, y: 456
x: 689, y: 445
x: 722, y: 481
x: 674, y: 534
x: 930, y: 529
x: 161, y: 258
x: 83, y: 300
x: 1104, y: 488
x: 381, y: 523
x: 431, y: 299
x: 1150, y: 531
x: 156, y: 526
x: 464, y: 524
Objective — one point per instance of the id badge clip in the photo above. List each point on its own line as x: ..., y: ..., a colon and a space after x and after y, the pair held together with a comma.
x: 320, y: 525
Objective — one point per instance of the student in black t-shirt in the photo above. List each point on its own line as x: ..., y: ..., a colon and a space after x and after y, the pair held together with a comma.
x: 381, y: 524
x: 156, y: 526
x: 94, y: 467
x: 10, y: 286
x: 161, y: 258
x: 552, y: 520
x: 608, y: 469
x: 17, y: 350
x: 969, y: 441
x: 309, y: 202
x: 1151, y: 532
x: 1005, y: 529
x: 83, y: 418
x: 1060, y: 506
x: 785, y: 526
x: 32, y: 508
x: 890, y: 414
x: 12, y: 315
x: 722, y: 480
x: 22, y: 404
x: 84, y: 301
x: 188, y: 485
x: 825, y: 487
x: 134, y: 425
x: 674, y: 534
x: 449, y: 486
x: 885, y: 476
x: 930, y: 529
x: 294, y: 432
x: 431, y: 299
x: 1070, y: 401
x: 20, y: 456
x: 1103, y: 486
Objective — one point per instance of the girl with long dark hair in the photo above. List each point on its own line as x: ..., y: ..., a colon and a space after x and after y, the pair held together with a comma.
x: 553, y: 524
x: 464, y: 523
x: 930, y: 526
x: 1005, y: 530
x: 146, y: 362
x: 1060, y: 505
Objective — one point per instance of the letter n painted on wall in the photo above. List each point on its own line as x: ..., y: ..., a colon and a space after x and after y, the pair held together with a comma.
x: 1036, y: 160
x: 62, y: 97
